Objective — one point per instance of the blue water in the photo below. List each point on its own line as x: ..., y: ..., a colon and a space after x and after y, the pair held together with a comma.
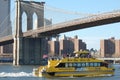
x: 10, y: 72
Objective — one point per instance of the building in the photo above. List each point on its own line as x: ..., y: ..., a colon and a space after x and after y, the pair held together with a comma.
x: 65, y: 46
x: 107, y: 47
x: 110, y: 47
x: 117, y: 48
x: 53, y: 48
x: 69, y: 45
x: 78, y: 44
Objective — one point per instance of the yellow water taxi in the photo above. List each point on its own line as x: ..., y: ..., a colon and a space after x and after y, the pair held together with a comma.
x: 81, y: 65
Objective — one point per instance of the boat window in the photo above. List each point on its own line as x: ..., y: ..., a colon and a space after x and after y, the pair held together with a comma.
x: 70, y: 64
x: 74, y: 64
x: 104, y: 64
x: 98, y: 64
x: 87, y: 64
x: 91, y: 64
x: 66, y: 64
x: 83, y: 64
x: 61, y: 65
x: 95, y: 64
x: 79, y: 65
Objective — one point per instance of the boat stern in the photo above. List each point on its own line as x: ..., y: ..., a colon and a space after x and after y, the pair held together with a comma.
x: 36, y: 72
x: 40, y: 72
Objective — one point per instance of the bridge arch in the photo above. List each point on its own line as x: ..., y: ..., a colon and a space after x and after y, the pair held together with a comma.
x: 35, y: 20
x: 32, y: 9
x: 24, y: 22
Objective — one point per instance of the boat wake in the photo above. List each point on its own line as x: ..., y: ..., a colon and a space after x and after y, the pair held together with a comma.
x: 17, y: 74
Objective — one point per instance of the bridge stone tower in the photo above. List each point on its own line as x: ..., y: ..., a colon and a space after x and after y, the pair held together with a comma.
x: 27, y: 50
x: 5, y: 25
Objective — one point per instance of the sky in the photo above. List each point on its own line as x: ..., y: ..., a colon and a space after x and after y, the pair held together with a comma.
x: 61, y: 10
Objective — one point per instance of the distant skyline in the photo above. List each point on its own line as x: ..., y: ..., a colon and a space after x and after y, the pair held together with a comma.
x: 91, y: 36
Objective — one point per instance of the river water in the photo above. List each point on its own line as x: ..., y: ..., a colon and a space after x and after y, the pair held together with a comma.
x: 10, y: 72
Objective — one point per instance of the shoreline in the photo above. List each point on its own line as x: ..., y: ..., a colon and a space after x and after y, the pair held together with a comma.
x: 5, y: 63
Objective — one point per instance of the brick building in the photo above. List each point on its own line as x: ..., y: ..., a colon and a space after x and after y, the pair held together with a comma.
x: 110, y: 47
x: 117, y: 48
x: 69, y: 45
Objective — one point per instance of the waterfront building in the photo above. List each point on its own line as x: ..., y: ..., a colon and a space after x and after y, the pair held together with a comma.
x: 53, y: 48
x: 65, y: 47
x: 107, y: 47
x: 69, y: 45
x: 110, y: 47
x: 117, y: 48
x: 78, y: 44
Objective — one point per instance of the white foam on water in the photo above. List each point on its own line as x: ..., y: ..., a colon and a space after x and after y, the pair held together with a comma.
x: 17, y: 74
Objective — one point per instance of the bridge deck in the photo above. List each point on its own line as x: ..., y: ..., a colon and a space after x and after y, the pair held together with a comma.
x: 90, y: 21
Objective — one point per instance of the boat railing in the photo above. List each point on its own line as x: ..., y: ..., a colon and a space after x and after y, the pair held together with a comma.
x: 54, y: 58
x: 70, y: 56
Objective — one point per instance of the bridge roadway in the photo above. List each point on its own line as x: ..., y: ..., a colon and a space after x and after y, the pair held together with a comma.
x: 81, y: 23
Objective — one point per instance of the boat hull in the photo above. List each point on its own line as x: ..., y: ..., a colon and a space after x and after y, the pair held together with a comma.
x: 76, y: 74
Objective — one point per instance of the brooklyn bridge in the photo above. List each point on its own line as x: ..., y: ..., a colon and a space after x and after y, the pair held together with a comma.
x: 31, y: 42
